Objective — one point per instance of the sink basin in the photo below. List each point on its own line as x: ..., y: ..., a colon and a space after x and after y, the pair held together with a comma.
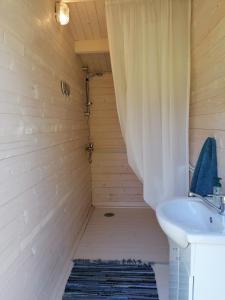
x: 188, y: 221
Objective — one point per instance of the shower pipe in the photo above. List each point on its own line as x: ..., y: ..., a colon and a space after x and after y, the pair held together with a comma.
x: 88, y: 75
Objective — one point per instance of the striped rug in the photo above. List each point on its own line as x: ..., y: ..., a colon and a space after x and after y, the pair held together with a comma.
x: 116, y: 280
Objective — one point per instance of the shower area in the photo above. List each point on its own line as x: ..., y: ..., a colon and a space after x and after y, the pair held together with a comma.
x: 121, y: 225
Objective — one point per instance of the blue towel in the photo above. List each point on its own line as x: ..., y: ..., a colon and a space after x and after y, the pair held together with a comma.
x: 206, y: 169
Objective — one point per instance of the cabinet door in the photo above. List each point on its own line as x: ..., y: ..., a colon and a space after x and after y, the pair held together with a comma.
x: 185, y: 285
x: 174, y: 271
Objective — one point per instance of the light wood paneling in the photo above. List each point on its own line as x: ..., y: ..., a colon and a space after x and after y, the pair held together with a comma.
x: 207, y: 110
x: 91, y: 46
x: 45, y: 188
x: 113, y: 182
x: 88, y: 22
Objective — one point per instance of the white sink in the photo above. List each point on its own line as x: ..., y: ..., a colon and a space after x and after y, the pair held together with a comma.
x: 188, y: 221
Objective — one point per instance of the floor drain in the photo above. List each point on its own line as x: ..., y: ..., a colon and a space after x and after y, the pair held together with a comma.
x: 109, y: 214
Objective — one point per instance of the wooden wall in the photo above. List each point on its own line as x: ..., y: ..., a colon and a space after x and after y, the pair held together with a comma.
x: 207, y: 110
x: 113, y: 181
x: 88, y: 22
x: 45, y: 189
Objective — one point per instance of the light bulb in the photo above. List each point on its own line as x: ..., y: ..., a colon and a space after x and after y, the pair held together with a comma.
x: 62, y: 13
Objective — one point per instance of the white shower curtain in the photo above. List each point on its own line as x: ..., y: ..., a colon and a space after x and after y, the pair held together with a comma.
x: 149, y: 46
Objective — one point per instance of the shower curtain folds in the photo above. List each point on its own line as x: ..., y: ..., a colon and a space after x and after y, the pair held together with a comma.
x: 149, y: 46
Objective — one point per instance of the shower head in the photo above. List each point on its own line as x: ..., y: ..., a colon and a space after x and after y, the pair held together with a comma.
x: 85, y: 69
x: 89, y: 75
x: 98, y: 74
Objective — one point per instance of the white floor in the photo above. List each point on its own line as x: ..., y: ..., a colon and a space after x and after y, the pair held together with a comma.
x: 130, y: 233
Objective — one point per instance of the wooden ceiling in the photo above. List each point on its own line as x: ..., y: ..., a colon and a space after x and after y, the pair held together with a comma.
x: 88, y: 23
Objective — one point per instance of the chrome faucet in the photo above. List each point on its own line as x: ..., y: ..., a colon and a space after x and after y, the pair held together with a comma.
x: 220, y: 209
x: 90, y: 149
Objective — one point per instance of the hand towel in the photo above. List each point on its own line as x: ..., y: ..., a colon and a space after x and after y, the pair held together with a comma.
x: 206, y: 169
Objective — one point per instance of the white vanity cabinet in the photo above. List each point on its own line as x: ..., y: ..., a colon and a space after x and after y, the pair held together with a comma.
x: 180, y: 279
x: 196, y: 234
x: 197, y: 272
x: 173, y: 271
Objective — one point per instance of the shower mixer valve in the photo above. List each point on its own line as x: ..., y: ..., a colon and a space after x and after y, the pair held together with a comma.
x: 90, y: 149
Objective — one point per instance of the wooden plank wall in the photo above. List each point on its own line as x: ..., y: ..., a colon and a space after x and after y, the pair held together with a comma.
x: 88, y: 22
x: 113, y: 181
x: 207, y: 109
x: 45, y: 184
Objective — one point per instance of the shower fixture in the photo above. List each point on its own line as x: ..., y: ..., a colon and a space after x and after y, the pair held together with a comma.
x: 98, y: 74
x: 88, y: 103
x: 90, y: 149
x: 88, y: 76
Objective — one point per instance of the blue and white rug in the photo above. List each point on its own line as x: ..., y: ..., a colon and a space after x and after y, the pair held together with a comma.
x: 115, y: 280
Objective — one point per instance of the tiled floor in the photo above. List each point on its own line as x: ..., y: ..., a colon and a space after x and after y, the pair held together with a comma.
x: 130, y: 233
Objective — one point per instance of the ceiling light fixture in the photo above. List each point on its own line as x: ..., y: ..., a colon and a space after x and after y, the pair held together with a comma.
x: 62, y: 13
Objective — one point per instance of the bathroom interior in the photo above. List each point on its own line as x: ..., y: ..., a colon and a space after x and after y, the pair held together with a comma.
x: 104, y: 110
